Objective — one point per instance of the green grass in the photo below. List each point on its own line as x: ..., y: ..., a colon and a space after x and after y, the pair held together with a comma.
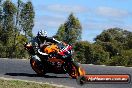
x: 22, y: 84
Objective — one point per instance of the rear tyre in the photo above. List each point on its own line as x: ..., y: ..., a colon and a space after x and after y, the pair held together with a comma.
x: 37, y: 66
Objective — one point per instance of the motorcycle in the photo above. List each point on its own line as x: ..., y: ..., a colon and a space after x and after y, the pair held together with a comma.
x: 59, y: 60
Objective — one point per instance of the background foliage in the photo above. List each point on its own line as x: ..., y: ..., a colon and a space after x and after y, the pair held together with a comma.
x: 112, y: 47
x: 14, y: 31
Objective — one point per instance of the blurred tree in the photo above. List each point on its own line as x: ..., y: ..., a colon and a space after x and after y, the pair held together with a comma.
x: 11, y: 36
x: 115, y: 41
x: 60, y: 33
x: 70, y: 31
x: 80, y: 49
x: 104, y: 37
x: 90, y: 53
x: 1, y: 13
x: 125, y: 59
x: 114, y: 34
x: 19, y: 6
x: 27, y: 19
x: 9, y: 10
x: 128, y: 44
x: 1, y: 21
x: 99, y: 56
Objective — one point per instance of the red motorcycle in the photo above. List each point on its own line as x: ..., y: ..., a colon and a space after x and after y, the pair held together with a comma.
x: 59, y: 60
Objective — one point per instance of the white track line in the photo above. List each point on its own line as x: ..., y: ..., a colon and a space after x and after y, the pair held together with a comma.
x: 106, y: 65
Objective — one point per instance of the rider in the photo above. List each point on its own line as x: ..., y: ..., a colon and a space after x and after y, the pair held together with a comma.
x: 40, y: 40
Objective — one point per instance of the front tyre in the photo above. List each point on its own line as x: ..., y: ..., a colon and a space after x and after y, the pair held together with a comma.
x: 37, y: 66
x: 74, y: 70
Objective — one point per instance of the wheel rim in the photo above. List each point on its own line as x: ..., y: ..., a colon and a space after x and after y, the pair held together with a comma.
x: 33, y: 63
x: 73, y: 72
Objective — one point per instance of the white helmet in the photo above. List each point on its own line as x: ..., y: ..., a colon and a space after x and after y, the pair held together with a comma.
x: 42, y: 33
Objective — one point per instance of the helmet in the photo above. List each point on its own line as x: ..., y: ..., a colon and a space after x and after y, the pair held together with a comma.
x: 42, y: 33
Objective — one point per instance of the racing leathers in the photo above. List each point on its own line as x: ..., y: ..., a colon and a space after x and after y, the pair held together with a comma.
x: 39, y: 41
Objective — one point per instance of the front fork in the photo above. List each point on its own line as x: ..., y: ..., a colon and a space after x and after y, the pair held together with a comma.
x: 74, y: 66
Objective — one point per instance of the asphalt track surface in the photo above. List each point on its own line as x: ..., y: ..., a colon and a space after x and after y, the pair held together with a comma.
x: 20, y: 69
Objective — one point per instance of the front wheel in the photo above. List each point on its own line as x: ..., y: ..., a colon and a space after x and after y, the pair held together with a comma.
x: 37, y: 66
x: 74, y: 70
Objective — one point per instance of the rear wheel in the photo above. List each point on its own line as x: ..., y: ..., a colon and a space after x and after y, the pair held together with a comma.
x: 38, y: 67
